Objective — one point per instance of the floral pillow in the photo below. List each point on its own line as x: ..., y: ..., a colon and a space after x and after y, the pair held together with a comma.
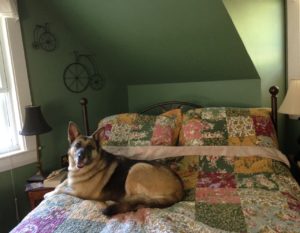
x: 133, y: 129
x: 228, y: 126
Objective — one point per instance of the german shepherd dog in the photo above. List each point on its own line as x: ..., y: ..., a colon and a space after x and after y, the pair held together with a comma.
x: 97, y: 175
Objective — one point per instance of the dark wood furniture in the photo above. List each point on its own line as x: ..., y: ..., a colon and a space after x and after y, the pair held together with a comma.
x: 35, y: 196
x: 295, y: 168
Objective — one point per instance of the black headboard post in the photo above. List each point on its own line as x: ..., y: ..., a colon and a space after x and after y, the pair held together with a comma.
x: 84, y: 103
x: 274, y: 90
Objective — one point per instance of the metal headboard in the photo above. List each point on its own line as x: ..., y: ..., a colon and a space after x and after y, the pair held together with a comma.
x: 168, y: 105
x: 165, y: 106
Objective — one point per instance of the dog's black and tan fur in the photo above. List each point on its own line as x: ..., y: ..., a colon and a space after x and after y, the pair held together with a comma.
x: 97, y: 175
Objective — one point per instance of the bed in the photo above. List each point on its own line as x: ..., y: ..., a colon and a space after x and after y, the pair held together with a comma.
x: 235, y: 178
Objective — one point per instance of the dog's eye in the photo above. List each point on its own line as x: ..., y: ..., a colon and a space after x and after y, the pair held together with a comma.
x: 77, y: 145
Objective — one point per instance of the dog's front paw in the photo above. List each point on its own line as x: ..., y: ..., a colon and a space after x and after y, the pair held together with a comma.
x: 111, y: 210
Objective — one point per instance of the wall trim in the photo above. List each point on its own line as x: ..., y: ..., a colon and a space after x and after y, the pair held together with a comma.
x: 18, y: 159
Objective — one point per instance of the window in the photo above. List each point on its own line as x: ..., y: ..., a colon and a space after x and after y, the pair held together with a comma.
x: 15, y: 150
x: 8, y: 131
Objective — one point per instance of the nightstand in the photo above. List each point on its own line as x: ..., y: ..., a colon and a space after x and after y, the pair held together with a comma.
x: 35, y: 196
x: 295, y: 169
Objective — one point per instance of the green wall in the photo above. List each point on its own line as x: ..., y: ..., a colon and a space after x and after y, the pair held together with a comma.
x: 7, y: 198
x: 148, y: 51
x: 45, y: 71
x: 170, y: 41
x: 261, y: 27
x: 214, y: 93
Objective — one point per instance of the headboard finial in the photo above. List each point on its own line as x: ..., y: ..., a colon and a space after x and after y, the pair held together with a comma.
x: 84, y: 103
x: 274, y: 90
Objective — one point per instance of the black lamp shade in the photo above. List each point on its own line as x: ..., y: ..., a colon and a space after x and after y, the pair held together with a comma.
x: 35, y: 122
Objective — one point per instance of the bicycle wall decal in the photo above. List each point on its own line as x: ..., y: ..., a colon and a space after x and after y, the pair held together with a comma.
x: 82, y: 73
x: 43, y: 38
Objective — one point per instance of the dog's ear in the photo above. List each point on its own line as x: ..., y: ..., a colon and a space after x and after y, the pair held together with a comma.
x: 96, y: 134
x: 73, y: 132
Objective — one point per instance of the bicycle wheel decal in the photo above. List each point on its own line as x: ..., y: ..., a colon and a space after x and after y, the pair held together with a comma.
x: 76, y: 78
x: 47, y: 41
x: 96, y: 82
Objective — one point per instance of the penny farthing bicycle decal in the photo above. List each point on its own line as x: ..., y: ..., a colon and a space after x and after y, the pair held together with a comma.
x: 81, y: 74
x: 96, y: 80
x: 43, y: 38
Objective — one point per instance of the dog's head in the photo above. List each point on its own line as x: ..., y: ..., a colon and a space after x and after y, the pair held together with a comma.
x: 83, y: 149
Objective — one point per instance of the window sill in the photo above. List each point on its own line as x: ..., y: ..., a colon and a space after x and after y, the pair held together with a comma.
x: 17, y: 159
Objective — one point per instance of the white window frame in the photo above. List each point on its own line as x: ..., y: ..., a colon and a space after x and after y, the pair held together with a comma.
x: 293, y: 39
x: 18, y: 71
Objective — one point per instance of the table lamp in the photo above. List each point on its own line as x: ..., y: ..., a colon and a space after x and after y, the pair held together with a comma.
x: 35, y: 124
x: 291, y: 102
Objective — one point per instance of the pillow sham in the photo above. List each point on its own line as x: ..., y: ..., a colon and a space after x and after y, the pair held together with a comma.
x: 220, y: 126
x: 133, y: 129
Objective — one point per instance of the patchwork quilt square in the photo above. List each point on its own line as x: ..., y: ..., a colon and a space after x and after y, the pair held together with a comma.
x: 257, y: 181
x: 191, y: 132
x: 253, y: 164
x: 77, y: 225
x: 293, y: 202
x: 263, y: 126
x: 227, y: 217
x: 89, y: 209
x: 217, y: 195
x: 242, y: 141
x: 217, y: 133
x: 45, y: 223
x: 216, y: 180
x: 221, y: 164
x: 280, y: 168
x: 240, y: 126
x: 237, y: 112
x: 213, y: 114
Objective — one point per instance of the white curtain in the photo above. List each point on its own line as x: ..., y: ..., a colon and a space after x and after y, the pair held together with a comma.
x: 8, y: 8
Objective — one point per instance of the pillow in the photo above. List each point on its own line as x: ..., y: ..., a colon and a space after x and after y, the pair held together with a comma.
x: 133, y: 129
x: 228, y: 126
